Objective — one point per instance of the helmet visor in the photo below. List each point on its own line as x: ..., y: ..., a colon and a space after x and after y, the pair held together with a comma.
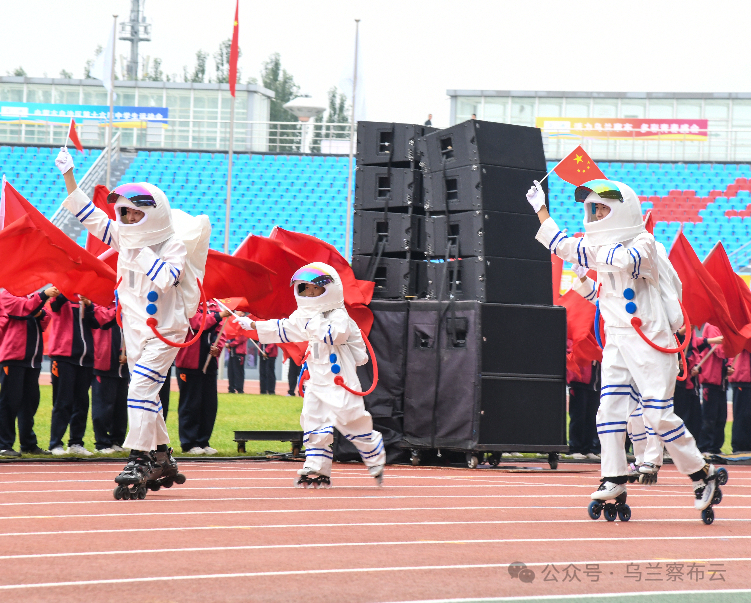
x: 311, y: 274
x: 606, y: 189
x: 138, y: 195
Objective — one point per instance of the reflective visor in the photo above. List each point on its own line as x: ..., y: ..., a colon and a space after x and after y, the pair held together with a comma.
x: 138, y: 195
x: 606, y: 189
x: 311, y: 274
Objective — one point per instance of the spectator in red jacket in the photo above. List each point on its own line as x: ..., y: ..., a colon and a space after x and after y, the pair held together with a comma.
x: 22, y: 320
x: 238, y: 348
x: 714, y: 379
x: 583, y: 401
x: 740, y: 438
x: 72, y: 353
x: 686, y: 401
x: 267, y: 367
x: 198, y: 402
x: 109, y: 388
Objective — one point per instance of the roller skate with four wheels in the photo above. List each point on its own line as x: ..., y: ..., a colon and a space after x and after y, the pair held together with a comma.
x: 610, y: 491
x: 310, y: 478
x: 648, y: 473
x: 133, y: 479
x: 377, y: 472
x: 707, y: 492
x: 170, y: 474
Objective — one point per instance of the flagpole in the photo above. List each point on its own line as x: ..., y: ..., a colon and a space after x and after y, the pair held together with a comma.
x: 112, y: 106
x: 229, y: 174
x: 347, y: 239
x: 556, y: 165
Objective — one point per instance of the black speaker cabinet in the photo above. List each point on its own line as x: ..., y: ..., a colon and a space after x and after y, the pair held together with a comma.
x: 486, y: 187
x: 492, y: 279
x: 481, y: 233
x: 394, y: 278
x: 491, y: 143
x: 401, y: 232
x: 379, y: 142
x: 485, y: 377
x: 377, y: 185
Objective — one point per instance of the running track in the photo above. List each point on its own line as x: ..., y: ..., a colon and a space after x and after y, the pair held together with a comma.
x: 239, y: 531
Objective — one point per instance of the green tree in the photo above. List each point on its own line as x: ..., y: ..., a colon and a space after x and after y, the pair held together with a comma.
x: 90, y: 63
x: 337, y: 113
x: 156, y: 74
x: 221, y: 62
x: 199, y: 71
x: 18, y: 72
x: 275, y: 78
x: 66, y: 74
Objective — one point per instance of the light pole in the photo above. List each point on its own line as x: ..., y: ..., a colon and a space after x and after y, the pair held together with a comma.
x: 305, y: 108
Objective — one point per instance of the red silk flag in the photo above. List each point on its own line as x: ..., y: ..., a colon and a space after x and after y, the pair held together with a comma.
x: 577, y: 168
x: 11, y: 206
x: 73, y: 135
x: 93, y: 245
x: 702, y: 296
x: 230, y: 276
x: 649, y: 222
x: 234, y: 52
x: 36, y: 253
x: 557, y: 274
x: 580, y: 320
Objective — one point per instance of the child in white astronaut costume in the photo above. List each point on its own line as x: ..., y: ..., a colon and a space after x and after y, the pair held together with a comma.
x: 151, y: 262
x: 335, y: 349
x: 626, y: 259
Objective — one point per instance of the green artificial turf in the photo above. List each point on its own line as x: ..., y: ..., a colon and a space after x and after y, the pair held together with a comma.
x: 236, y: 412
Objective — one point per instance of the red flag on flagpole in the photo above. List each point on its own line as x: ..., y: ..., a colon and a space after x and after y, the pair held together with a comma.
x: 578, y: 167
x: 649, y: 222
x: 73, y: 135
x: 234, y: 52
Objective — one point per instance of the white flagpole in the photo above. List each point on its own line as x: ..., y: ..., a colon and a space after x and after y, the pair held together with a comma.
x: 229, y: 175
x: 347, y: 239
x: 112, y: 107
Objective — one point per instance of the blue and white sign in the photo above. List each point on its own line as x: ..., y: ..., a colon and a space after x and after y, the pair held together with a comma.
x: 39, y: 113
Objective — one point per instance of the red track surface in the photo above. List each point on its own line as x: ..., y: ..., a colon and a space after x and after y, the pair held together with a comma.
x: 240, y: 531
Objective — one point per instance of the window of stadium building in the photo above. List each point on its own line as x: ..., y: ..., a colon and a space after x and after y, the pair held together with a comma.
x: 605, y: 108
x: 467, y: 105
x: 523, y: 111
x: 495, y: 109
x: 577, y: 107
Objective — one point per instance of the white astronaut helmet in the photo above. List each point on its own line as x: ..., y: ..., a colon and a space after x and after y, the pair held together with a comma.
x: 156, y: 225
x: 324, y: 276
x: 624, y: 222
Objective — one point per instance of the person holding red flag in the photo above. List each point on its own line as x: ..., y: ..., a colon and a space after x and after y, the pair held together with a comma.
x: 637, y: 289
x: 740, y: 439
x: 714, y: 379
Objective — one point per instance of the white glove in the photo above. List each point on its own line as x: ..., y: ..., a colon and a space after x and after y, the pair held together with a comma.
x: 244, y: 322
x: 536, y: 196
x: 581, y: 271
x: 64, y: 161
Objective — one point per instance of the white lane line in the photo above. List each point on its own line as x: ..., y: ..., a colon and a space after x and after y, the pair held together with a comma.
x: 658, y: 594
x: 305, y: 545
x: 354, y: 570
x: 297, y: 526
x: 485, y: 508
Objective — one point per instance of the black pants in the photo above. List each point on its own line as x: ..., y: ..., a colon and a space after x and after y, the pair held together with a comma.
x: 19, y: 399
x: 714, y: 415
x: 267, y: 374
x: 164, y: 394
x: 196, y: 408
x: 109, y: 410
x: 294, y: 375
x: 687, y: 406
x: 741, y: 435
x: 236, y: 373
x: 70, y: 402
x: 582, y: 410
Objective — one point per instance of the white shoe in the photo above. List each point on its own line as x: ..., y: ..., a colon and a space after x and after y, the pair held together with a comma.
x: 376, y: 471
x: 106, y: 451
x: 579, y: 456
x: 307, y: 471
x: 59, y: 451
x: 117, y: 448
x: 209, y: 450
x: 593, y: 457
x: 704, y: 490
x: 78, y: 449
x: 608, y: 491
x: 196, y: 450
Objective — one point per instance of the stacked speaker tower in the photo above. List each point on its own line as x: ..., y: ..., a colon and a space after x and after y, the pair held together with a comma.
x: 482, y: 370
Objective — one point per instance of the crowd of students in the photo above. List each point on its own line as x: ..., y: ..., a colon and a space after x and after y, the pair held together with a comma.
x: 700, y: 399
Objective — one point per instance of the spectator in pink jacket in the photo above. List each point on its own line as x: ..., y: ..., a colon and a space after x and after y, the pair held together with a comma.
x: 22, y: 320
x: 714, y: 379
x: 267, y: 367
x: 198, y: 402
x: 686, y: 402
x: 740, y: 439
x: 238, y: 348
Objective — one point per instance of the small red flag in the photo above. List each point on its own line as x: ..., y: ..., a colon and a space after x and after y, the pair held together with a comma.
x: 73, y: 135
x: 557, y: 274
x: 234, y: 52
x: 577, y: 168
x: 649, y: 222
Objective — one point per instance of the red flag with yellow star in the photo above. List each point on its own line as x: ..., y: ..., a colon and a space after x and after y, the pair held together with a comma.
x: 578, y: 167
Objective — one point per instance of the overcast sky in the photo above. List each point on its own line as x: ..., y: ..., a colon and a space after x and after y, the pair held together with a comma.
x: 412, y: 52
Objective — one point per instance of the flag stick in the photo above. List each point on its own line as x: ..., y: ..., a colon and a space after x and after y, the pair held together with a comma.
x: 556, y: 165
x: 112, y: 106
x: 221, y: 305
x: 703, y: 360
x: 347, y: 238
x: 209, y: 357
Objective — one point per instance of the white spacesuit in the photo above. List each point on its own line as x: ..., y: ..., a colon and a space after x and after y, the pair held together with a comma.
x: 157, y: 279
x: 635, y: 279
x: 335, y: 349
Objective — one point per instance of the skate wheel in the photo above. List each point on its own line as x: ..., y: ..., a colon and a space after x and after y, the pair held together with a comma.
x: 624, y: 512
x: 611, y: 512
x: 141, y: 494
x: 117, y: 493
x: 154, y: 486
x: 722, y: 476
x: 495, y: 458
x: 595, y: 509
x: 472, y: 460
x: 553, y: 460
x: 415, y: 458
x: 125, y: 493
x: 168, y: 482
x: 707, y: 515
x: 180, y: 478
x: 633, y: 479
x: 717, y: 498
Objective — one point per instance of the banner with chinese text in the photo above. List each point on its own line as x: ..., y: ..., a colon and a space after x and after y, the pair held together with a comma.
x: 44, y: 113
x: 616, y: 127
